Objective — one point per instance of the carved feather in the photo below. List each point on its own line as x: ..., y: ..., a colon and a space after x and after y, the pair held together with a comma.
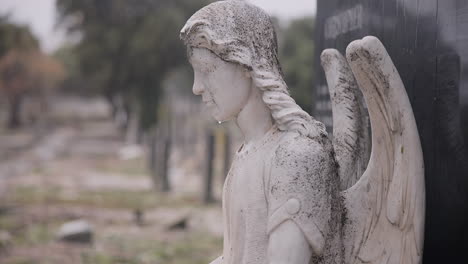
x: 351, y: 139
x: 385, y: 208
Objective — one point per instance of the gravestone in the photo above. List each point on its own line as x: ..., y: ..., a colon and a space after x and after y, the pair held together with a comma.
x: 428, y: 42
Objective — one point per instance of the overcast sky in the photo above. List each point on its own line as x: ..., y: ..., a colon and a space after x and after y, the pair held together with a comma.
x: 40, y: 15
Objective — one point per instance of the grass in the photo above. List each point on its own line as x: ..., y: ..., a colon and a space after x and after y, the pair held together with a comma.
x: 22, y: 261
x: 183, y: 247
x: 7, y: 222
x: 27, y: 234
x: 34, y: 234
x: 193, y: 248
x: 177, y: 247
x: 117, y: 199
x: 96, y: 258
x: 131, y: 167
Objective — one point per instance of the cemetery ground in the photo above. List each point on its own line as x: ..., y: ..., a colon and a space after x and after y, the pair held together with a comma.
x: 76, y: 171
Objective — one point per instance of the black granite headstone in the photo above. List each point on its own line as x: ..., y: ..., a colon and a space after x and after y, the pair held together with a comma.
x: 428, y: 42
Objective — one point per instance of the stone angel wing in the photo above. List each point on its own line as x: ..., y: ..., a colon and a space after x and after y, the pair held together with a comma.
x: 351, y: 138
x: 385, y: 208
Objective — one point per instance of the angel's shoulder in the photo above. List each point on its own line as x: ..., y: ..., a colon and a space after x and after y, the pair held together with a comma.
x: 296, y: 149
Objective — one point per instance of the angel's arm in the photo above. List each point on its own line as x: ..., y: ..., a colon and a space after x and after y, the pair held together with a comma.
x: 287, y: 245
x: 298, y: 194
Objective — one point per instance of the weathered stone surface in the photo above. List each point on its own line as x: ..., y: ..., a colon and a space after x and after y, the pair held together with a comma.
x: 282, y: 201
x: 391, y: 192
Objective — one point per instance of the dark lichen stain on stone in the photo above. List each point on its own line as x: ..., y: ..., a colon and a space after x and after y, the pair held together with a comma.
x: 246, y: 29
x: 307, y: 164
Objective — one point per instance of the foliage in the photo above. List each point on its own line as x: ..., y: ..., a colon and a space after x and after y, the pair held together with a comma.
x: 22, y: 72
x: 23, y: 67
x: 297, y: 56
x: 15, y: 36
x: 74, y: 82
x: 17, y: 44
x: 127, y: 47
x: 15, y: 73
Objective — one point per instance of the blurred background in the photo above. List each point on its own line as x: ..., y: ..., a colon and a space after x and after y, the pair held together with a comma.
x: 106, y: 156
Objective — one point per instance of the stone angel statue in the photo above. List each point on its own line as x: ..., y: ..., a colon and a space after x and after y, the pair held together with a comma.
x: 292, y: 195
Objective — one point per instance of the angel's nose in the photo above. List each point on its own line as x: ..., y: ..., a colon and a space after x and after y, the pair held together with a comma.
x: 198, y: 86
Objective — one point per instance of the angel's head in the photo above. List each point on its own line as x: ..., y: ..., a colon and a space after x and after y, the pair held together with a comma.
x: 234, y: 43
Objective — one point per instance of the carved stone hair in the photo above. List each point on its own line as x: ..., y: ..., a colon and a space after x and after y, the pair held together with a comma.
x: 242, y: 33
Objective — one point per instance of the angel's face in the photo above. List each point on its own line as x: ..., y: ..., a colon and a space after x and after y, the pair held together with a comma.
x: 224, y: 87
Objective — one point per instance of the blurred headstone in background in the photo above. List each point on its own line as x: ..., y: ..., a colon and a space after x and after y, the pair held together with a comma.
x: 79, y: 231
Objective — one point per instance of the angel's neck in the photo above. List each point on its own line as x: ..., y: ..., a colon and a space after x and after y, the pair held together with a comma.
x: 254, y: 120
